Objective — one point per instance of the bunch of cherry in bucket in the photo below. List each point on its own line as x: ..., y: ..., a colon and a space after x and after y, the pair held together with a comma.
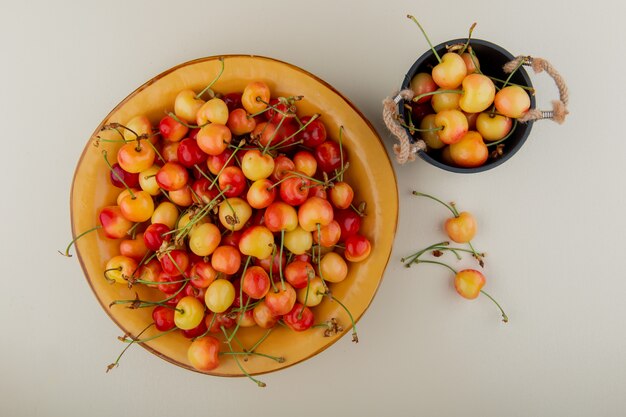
x: 460, y: 228
x: 460, y: 112
x: 235, y: 208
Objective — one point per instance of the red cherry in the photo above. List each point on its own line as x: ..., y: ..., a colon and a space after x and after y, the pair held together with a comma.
x: 294, y: 191
x: 349, y: 221
x: 190, y: 154
x: 196, y: 331
x: 314, y: 133
x: 117, y: 172
x: 163, y: 318
x: 174, y: 262
x: 300, y: 318
x: 328, y: 156
x: 155, y: 235
x: 232, y: 100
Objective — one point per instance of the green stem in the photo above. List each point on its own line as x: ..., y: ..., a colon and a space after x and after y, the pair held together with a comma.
x: 230, y: 347
x: 67, y: 250
x: 147, y: 339
x: 217, y: 77
x: 106, y: 160
x: 434, y: 93
x: 355, y: 337
x: 340, y: 178
x: 426, y: 36
x: 117, y: 361
x: 507, y: 135
x: 448, y: 206
x: 280, y: 258
x: 419, y: 261
x: 187, y: 125
x: 469, y: 36
x: 519, y: 64
x: 410, y: 258
x: 505, y: 318
x: 261, y: 340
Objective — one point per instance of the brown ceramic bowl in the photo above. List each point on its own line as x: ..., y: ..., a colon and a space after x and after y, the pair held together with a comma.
x: 370, y: 173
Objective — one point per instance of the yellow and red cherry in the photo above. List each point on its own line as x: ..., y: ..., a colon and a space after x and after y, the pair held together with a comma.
x: 155, y: 234
x: 450, y: 71
x: 281, y: 300
x: 315, y: 212
x: 203, y: 353
x: 202, y: 274
x: 512, y: 101
x: 318, y: 190
x: 219, y: 296
x: 263, y: 316
x: 150, y: 271
x: 429, y: 132
x: 214, y: 322
x: 174, y: 262
x: 333, y: 267
x: 189, y: 153
x: 358, y: 248
x: 349, y: 222
x: 282, y: 167
x: 214, y: 138
x: 461, y: 228
x: 470, y: 151
x: 114, y: 224
x: 294, y: 190
x: 255, y: 282
x: 329, y: 156
x: 300, y: 318
x: 169, y: 152
x: 189, y: 313
x: 314, y: 295
x: 232, y: 181
x: 169, y: 284
x: 245, y: 318
x: 215, y: 163
x: 134, y: 248
x: 172, y: 130
x: 135, y: 157
x: 493, y: 126
x: 240, y: 123
x: 279, y: 110
x: 124, y: 193
x: 138, y: 126
x: 298, y: 241
x: 478, y: 93
x: 120, y: 268
x: 261, y: 194
x: 182, y: 197
x: 257, y: 241
x: 313, y: 134
x: 468, y: 283
x: 328, y: 235
x: 234, y: 213
x: 137, y: 208
x: 471, y: 62
x: 273, y: 264
x: 341, y: 195
x: 163, y: 318
x: 165, y: 213
x: 147, y: 180
x: 172, y: 176
x: 298, y: 273
x: 423, y: 83
x: 204, y: 239
x: 257, y: 166
x: 445, y: 100
x: 186, y: 106
x: 213, y: 111
x: 453, y: 124
x: 305, y: 162
x: 280, y: 216
x: 255, y: 97
x: 226, y: 259
x: 121, y: 178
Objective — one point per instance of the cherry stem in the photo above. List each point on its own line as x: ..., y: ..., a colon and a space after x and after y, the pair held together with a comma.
x: 416, y: 255
x: 433, y: 93
x: 302, y: 127
x: 475, y: 61
x: 426, y: 36
x: 67, y: 250
x: 204, y: 174
x: 245, y: 268
x: 301, y: 175
x: 230, y: 158
x: 525, y: 87
x: 420, y: 261
x: 116, y: 126
x: 278, y: 359
x: 505, y: 318
x: 117, y: 361
x: 309, y: 275
x: 506, y: 137
x: 519, y: 64
x: 261, y: 340
x: 230, y: 347
x: 269, y: 141
x: 147, y: 339
x: 272, y: 269
x: 412, y: 127
x: 119, y: 178
x: 280, y: 258
x: 355, y: 337
x: 469, y: 36
x: 340, y: 177
x: 448, y: 206
x: 182, y: 122
x: 217, y: 77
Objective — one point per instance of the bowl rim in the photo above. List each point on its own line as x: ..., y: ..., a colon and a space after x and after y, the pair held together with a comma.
x: 513, y: 150
x: 148, y: 84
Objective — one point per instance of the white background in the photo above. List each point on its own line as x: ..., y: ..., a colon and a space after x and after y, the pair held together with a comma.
x: 551, y: 219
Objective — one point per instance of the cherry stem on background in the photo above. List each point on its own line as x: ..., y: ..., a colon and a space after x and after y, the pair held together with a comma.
x: 217, y: 77
x: 469, y: 36
x: 117, y: 361
x: 355, y: 337
x: 505, y: 318
x: 425, y: 36
x: 230, y: 348
x: 67, y: 250
x: 147, y: 339
x: 448, y: 206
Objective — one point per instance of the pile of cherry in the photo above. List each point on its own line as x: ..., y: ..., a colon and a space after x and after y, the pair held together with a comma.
x: 460, y: 112
x: 236, y: 210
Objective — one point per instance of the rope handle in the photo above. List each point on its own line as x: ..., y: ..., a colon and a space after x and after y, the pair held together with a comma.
x: 559, y: 107
x: 406, y: 149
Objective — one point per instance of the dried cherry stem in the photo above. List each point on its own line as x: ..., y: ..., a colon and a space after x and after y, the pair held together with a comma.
x: 182, y: 122
x: 355, y: 337
x: 230, y: 347
x: 115, y: 126
x: 506, y: 137
x: 426, y: 36
x: 448, y: 206
x: 359, y: 210
x: 434, y: 93
x: 67, y: 250
x: 217, y: 77
x: 119, y: 178
x: 469, y: 36
x: 117, y: 361
x: 111, y: 280
x: 411, y: 258
x: 505, y: 318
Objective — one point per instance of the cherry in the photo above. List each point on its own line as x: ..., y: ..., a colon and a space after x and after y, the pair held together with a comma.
x: 512, y: 101
x: 294, y: 190
x: 493, y: 127
x: 358, y: 248
x: 263, y: 316
x: 261, y: 194
x: 172, y: 176
x: 220, y: 295
x: 255, y: 282
x: 423, y: 83
x: 114, y: 224
x: 450, y: 71
x: 280, y: 216
x: 255, y: 97
x: 174, y: 262
x: 240, y: 123
x: 214, y: 138
x: 186, y: 105
x: 300, y: 318
x: 282, y: 168
x: 203, y: 353
x: 341, y: 195
x: 199, y: 330
x: 203, y: 191
x: 234, y: 213
x: 453, y: 124
x: 470, y: 151
x: 298, y: 273
x: 232, y: 181
x: 257, y: 241
x: 215, y: 163
x: 349, y: 222
x: 189, y: 153
x: 122, y: 179
x: 213, y: 111
x: 315, y: 212
x: 172, y: 130
x: 232, y: 100
x: 328, y: 156
x: 163, y: 318
x: 134, y: 248
x: 313, y: 134
x: 189, y: 313
x: 281, y: 300
x: 226, y: 259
